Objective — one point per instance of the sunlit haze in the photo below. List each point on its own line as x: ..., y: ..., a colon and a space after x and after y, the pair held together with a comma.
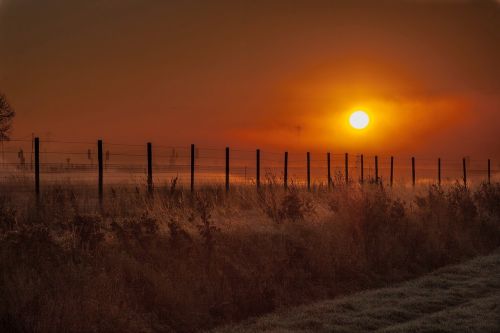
x: 257, y: 74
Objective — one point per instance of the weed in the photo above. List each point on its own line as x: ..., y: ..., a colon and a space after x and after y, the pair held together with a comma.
x: 187, y: 262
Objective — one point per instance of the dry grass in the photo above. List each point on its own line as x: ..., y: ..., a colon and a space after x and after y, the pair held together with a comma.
x: 182, y: 262
x: 461, y: 298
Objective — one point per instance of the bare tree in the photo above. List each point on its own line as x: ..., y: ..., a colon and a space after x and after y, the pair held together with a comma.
x: 7, y: 114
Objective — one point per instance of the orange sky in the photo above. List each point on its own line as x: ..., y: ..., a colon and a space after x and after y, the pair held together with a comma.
x: 256, y: 74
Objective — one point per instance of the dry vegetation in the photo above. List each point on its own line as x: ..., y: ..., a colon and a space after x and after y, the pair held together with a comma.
x: 182, y: 262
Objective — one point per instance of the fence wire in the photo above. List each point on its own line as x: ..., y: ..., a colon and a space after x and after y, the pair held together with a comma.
x: 76, y: 162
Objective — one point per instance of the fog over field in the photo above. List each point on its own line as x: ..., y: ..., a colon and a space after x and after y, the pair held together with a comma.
x: 246, y: 166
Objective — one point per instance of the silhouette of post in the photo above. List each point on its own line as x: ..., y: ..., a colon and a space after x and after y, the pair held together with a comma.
x: 392, y: 171
x: 362, y: 177
x: 100, y: 168
x: 489, y: 171
x: 329, y: 171
x: 346, y: 168
x: 192, y: 167
x: 150, y: 168
x: 376, y: 169
x: 37, y: 167
x: 257, y: 176
x: 464, y: 169
x: 227, y: 168
x: 285, y: 175
x: 308, y: 171
x: 439, y: 171
x: 413, y: 180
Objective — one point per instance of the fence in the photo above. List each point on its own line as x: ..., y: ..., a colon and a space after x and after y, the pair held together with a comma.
x: 32, y: 164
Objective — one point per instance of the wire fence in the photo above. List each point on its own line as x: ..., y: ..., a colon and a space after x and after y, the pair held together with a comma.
x: 77, y: 163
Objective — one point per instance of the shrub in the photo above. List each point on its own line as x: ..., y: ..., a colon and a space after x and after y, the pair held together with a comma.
x: 8, y: 214
x: 187, y: 262
x: 87, y: 230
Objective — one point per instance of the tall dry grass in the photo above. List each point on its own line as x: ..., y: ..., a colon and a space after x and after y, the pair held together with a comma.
x: 181, y: 262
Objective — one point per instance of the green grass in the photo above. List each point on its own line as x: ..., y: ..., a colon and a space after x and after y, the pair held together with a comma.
x: 460, y: 298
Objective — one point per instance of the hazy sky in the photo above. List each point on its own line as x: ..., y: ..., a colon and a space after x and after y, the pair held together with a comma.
x: 256, y: 73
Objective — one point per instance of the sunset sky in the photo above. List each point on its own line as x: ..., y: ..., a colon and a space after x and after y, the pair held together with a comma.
x: 256, y: 73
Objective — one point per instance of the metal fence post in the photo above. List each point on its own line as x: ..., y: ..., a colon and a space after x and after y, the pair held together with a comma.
x: 257, y: 179
x: 489, y: 171
x: 464, y: 169
x: 362, y: 162
x: 285, y: 175
x: 439, y: 171
x: 392, y: 170
x: 329, y: 171
x: 308, y: 171
x: 192, y: 168
x: 150, y: 167
x: 100, y: 168
x: 413, y: 179
x: 227, y: 168
x: 37, y: 167
x: 346, y: 168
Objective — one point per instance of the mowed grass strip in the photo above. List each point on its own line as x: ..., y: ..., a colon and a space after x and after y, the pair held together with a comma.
x: 460, y: 298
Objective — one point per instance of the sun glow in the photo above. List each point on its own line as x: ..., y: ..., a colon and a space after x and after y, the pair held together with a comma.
x: 359, y: 119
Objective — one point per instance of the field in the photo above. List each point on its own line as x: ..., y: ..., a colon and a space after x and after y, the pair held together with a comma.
x: 458, y: 298
x: 180, y: 261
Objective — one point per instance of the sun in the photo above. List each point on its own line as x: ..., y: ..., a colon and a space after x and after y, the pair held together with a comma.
x: 359, y: 119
